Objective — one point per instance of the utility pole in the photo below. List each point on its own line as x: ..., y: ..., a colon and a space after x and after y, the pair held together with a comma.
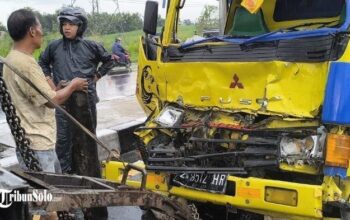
x: 95, y: 6
x: 72, y: 2
x: 117, y: 9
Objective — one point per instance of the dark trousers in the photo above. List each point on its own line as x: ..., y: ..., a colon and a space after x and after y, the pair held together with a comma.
x: 76, y: 150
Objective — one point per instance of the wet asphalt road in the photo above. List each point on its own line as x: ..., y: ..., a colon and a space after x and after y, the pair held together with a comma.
x: 118, y: 84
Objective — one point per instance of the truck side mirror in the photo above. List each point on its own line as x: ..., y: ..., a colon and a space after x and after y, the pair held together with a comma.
x: 150, y: 18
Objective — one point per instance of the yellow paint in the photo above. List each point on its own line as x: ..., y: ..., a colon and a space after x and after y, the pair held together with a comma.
x: 331, y: 190
x: 281, y: 84
x: 300, y: 168
x: 224, y: 118
x: 170, y: 22
x: 346, y: 55
x: 113, y: 171
x: 153, y: 81
x: 279, y: 123
x: 281, y: 196
x: 250, y: 193
x: 309, y: 201
x: 292, y: 93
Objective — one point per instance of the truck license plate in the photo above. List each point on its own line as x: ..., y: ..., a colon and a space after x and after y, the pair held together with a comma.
x: 213, y: 182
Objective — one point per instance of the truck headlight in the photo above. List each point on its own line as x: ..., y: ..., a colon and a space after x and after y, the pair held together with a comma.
x: 306, y: 149
x: 170, y: 116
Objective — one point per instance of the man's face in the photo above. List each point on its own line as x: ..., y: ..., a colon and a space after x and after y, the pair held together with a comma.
x: 70, y: 30
x: 36, y: 33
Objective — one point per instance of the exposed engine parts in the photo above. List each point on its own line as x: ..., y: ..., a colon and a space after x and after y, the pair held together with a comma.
x: 212, y: 142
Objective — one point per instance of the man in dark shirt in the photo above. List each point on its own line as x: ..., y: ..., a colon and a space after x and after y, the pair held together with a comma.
x: 64, y: 59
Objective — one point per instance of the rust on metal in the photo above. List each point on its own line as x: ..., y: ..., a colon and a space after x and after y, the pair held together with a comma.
x: 71, y: 192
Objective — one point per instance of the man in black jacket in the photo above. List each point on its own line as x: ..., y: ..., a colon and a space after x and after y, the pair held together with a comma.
x: 64, y: 59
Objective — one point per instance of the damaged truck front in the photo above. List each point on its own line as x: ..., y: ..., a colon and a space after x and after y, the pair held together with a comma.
x: 256, y: 118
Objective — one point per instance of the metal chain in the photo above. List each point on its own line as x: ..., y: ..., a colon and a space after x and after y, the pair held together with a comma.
x: 195, y: 213
x: 19, y: 135
x: 17, y: 130
x: 64, y: 216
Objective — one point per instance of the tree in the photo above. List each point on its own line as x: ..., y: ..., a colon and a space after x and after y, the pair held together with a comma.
x: 187, y: 22
x: 98, y: 23
x: 160, y: 21
x: 105, y: 23
x: 48, y: 21
x: 2, y: 27
x: 209, y: 18
x: 95, y: 6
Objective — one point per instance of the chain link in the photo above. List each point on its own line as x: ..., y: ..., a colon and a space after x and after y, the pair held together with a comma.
x: 19, y: 135
x: 195, y: 213
x: 64, y: 216
x: 17, y: 130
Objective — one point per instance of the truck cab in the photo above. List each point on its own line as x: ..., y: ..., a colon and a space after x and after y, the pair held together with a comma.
x: 256, y: 118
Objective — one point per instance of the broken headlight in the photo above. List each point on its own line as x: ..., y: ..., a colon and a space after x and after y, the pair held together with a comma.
x: 170, y: 116
x: 307, y: 150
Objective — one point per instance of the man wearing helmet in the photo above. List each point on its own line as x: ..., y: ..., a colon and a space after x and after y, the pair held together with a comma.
x: 66, y: 58
x: 119, y: 50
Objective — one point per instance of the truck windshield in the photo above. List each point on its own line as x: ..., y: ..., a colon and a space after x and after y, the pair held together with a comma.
x: 287, y: 10
x: 281, y: 19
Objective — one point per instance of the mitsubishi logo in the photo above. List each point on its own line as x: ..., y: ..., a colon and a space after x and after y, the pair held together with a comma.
x: 236, y: 83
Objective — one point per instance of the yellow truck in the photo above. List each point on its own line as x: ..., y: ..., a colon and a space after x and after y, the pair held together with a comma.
x: 255, y: 119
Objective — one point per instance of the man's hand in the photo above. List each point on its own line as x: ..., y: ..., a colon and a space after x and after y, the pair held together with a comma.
x: 62, y: 84
x: 115, y: 57
x: 77, y: 84
x: 51, y: 84
x: 80, y: 84
x: 96, y: 78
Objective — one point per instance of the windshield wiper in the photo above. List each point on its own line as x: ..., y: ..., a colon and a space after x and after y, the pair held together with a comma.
x: 283, y: 30
x: 202, y: 47
x: 255, y: 38
x: 323, y: 24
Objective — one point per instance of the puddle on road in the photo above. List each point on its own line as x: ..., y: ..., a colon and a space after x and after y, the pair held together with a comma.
x: 116, y: 86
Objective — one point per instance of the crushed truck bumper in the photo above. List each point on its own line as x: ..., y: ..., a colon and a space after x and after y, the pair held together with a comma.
x: 269, y: 197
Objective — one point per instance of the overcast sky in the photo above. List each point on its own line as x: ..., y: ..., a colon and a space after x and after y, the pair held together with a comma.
x: 192, y: 10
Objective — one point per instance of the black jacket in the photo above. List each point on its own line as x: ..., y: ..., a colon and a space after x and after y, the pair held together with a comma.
x: 66, y: 59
